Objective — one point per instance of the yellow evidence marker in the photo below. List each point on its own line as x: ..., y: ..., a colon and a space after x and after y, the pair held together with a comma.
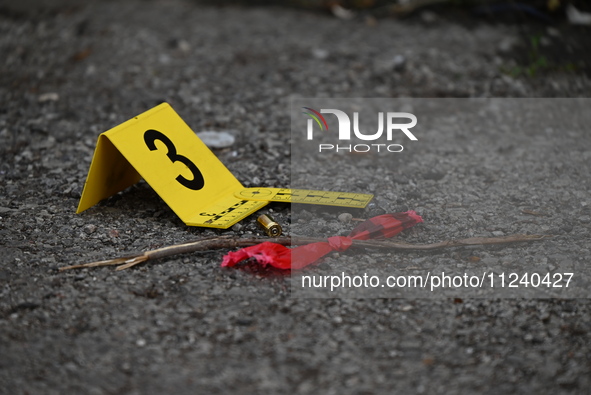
x: 161, y: 148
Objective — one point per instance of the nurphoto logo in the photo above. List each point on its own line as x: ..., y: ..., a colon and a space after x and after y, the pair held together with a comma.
x: 344, y: 130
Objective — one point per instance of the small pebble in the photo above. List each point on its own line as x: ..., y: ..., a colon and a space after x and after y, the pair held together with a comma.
x: 236, y: 227
x: 320, y: 54
x: 428, y: 17
x: 345, y: 218
x: 217, y: 139
x: 50, y: 96
x: 90, y: 229
x: 398, y: 63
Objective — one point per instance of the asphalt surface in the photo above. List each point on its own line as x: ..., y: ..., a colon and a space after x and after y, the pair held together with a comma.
x: 184, y: 324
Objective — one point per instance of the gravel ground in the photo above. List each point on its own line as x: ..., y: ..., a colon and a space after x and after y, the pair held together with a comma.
x: 184, y: 325
x: 480, y: 168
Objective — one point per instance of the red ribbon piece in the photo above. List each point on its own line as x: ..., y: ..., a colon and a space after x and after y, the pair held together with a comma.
x: 281, y: 257
x: 266, y: 253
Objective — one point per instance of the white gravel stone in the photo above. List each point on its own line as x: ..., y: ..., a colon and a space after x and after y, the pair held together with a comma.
x: 345, y: 218
x: 212, y: 139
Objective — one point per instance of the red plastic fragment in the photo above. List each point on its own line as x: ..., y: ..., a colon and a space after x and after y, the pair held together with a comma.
x: 266, y: 253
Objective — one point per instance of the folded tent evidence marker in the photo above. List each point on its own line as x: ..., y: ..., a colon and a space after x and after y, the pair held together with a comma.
x: 161, y: 148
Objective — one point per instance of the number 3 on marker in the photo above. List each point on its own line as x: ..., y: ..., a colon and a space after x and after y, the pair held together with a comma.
x: 197, y: 182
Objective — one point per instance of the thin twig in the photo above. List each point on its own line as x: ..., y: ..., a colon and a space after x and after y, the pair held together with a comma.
x: 224, y: 242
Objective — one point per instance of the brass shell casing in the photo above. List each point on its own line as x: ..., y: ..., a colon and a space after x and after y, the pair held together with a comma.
x: 272, y: 228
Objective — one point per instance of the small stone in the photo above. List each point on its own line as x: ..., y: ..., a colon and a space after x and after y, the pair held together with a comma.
x: 345, y: 218
x: 567, y: 228
x: 507, y: 44
x: 90, y: 229
x: 220, y: 139
x: 553, y: 32
x: 398, y: 63
x: 75, y: 192
x: 50, y: 96
x: 433, y: 175
x: 528, y: 337
x: 428, y: 17
x: 342, y: 13
x: 181, y: 45
x: 236, y: 227
x: 140, y: 342
x: 498, y: 233
x: 320, y: 54
x: 375, y: 211
x: 184, y: 46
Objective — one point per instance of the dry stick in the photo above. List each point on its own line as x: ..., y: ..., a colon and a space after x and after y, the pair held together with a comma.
x: 224, y: 242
